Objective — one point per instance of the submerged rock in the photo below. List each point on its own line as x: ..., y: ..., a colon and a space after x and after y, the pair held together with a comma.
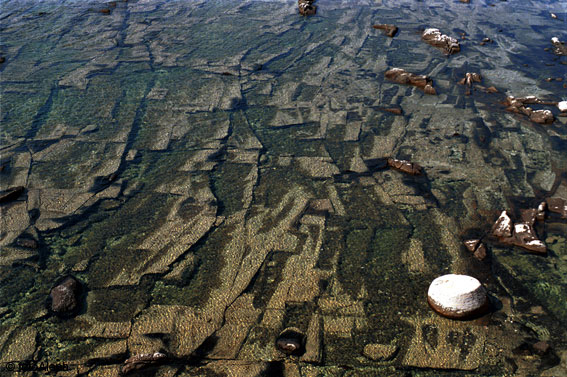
x: 11, y: 194
x: 457, y: 296
x: 142, y: 361
x: 518, y: 105
x: 402, y: 77
x: 520, y: 234
x: 393, y: 110
x: 471, y: 245
x: 405, y: 166
x: 65, y: 297
x: 540, y: 216
x: 529, y: 216
x: 557, y: 205
x: 434, y: 37
x: 542, y: 117
x: 428, y: 89
x: 503, y: 226
x: 469, y: 79
x: 389, y: 30
x: 559, y: 47
x: 291, y: 341
x: 477, y: 248
x: 526, y: 237
x: 380, y: 352
x: 27, y: 243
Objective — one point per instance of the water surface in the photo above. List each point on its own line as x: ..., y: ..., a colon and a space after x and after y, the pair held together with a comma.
x: 213, y: 172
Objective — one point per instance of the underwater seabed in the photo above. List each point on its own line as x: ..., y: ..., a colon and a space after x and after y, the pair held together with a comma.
x: 215, y: 176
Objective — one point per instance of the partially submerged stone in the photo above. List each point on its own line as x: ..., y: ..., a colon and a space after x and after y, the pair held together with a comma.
x: 291, y: 341
x: 389, y: 30
x: 477, y: 248
x: 526, y: 237
x: 142, y: 361
x: 518, y: 105
x: 434, y: 37
x: 559, y: 47
x: 457, y: 296
x: 405, y: 166
x: 562, y: 106
x: 542, y: 117
x: 65, y: 297
x: 503, y: 226
x: 519, y: 234
x: 557, y: 205
x: 429, y: 89
x: 393, y: 110
x: 529, y: 215
x: 306, y: 7
x: 540, y: 216
x: 402, y: 77
x: 470, y: 78
x: 481, y: 252
x: 471, y: 245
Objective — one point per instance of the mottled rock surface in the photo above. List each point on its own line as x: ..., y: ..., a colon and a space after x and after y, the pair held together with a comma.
x: 216, y: 172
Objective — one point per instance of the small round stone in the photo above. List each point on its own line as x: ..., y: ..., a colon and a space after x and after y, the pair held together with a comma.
x: 457, y: 296
x: 291, y: 341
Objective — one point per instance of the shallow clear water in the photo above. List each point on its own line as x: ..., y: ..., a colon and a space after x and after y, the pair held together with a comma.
x: 213, y: 172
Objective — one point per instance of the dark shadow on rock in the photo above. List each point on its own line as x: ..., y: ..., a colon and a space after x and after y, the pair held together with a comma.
x: 11, y: 194
x: 274, y: 369
x: 102, y: 182
x: 376, y: 164
x: 238, y: 103
x: 206, y: 347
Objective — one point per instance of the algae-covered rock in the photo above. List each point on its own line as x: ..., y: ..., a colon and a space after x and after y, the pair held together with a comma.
x: 380, y: 352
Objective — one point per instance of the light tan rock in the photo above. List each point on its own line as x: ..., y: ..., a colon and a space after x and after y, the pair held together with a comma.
x: 380, y: 352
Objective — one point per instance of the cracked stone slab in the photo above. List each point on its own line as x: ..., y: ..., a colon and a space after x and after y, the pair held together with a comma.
x: 444, y: 344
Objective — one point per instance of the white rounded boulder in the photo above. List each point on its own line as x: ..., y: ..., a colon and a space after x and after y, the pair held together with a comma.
x: 457, y: 296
